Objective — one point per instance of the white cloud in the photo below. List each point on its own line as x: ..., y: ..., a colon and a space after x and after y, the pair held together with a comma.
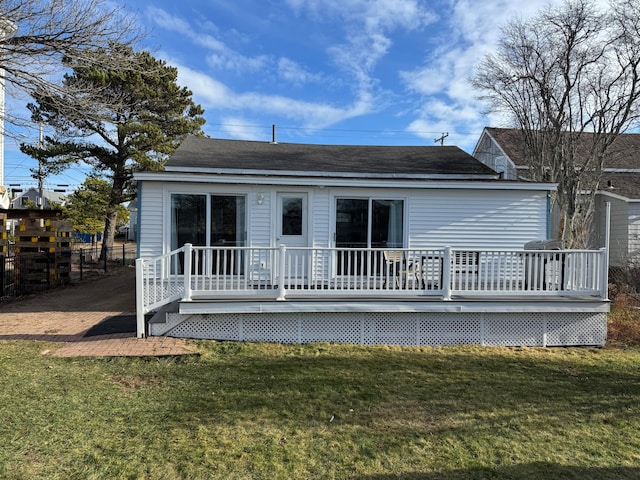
x: 449, y: 103
x: 240, y: 128
x: 372, y: 14
x: 232, y: 61
x: 295, y: 73
x: 367, y: 25
x: 168, y: 22
x: 206, y: 90
x: 221, y: 56
x: 213, y: 94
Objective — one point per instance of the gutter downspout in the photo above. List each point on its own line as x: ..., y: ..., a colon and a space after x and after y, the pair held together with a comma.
x: 549, y: 214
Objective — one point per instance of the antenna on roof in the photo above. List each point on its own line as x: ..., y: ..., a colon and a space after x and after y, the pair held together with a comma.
x: 273, y: 134
x: 441, y: 139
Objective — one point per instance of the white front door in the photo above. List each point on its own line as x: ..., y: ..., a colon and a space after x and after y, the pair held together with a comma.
x: 292, y: 231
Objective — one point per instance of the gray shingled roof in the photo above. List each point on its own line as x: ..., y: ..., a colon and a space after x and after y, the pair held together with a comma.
x: 624, y: 153
x: 624, y: 184
x: 214, y: 154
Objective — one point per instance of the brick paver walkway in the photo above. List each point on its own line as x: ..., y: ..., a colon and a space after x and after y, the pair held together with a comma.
x: 65, y: 315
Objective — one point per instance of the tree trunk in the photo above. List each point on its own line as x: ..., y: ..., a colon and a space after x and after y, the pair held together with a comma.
x: 110, y: 223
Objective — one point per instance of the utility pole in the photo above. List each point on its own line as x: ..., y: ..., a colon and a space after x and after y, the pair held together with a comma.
x: 441, y: 139
x: 40, y: 175
x: 7, y: 30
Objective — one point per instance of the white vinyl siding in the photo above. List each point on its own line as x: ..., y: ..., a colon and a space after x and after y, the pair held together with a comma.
x: 321, y: 218
x: 434, y: 218
x: 152, y: 219
x: 634, y: 232
x: 490, y: 153
x: 259, y: 218
x: 476, y: 218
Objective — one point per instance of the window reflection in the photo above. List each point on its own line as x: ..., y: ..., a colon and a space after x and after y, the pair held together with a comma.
x: 292, y: 216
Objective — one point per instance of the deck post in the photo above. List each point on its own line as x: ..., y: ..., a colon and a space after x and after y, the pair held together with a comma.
x: 282, y: 291
x: 188, y: 252
x: 446, y: 274
x: 140, y: 326
x: 604, y: 262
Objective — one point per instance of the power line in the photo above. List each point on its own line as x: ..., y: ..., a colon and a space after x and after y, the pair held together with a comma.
x: 337, y: 135
x: 343, y: 130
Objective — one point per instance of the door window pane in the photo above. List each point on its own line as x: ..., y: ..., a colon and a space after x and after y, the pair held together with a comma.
x: 188, y: 224
x: 227, y: 230
x: 227, y: 220
x: 292, y: 216
x: 386, y: 223
x: 352, y: 217
x: 188, y: 220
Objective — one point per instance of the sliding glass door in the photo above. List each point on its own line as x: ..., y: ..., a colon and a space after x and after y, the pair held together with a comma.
x: 188, y: 220
x: 366, y: 223
x: 188, y: 224
x: 369, y: 223
x: 352, y: 223
x: 228, y: 230
x: 387, y: 223
x: 217, y: 220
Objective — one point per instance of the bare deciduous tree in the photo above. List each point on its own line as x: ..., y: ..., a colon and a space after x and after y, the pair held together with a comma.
x: 569, y: 79
x: 36, y: 35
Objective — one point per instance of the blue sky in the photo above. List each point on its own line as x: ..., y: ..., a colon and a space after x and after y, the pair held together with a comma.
x: 376, y: 72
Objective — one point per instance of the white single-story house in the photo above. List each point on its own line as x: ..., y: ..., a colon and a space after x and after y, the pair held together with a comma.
x: 503, y: 150
x: 266, y: 241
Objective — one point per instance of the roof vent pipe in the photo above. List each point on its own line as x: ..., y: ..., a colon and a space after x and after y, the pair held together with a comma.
x: 273, y: 134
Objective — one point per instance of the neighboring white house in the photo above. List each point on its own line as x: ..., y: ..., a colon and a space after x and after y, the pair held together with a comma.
x: 31, y: 195
x: 503, y: 150
x: 363, y: 244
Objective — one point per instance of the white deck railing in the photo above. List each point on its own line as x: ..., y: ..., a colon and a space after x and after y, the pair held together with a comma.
x: 285, y: 273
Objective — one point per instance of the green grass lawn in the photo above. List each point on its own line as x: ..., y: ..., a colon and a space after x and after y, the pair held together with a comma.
x: 259, y: 411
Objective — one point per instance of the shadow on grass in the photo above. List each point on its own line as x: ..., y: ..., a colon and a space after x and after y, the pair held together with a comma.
x: 328, y: 411
x: 472, y: 403
x: 527, y: 471
x: 506, y: 385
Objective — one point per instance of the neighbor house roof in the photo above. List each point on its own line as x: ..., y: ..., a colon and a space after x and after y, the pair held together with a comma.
x: 621, y: 173
x: 623, y: 184
x: 233, y: 156
x: 623, y: 154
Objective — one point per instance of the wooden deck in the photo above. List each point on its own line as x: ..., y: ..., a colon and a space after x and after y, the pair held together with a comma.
x: 223, y: 281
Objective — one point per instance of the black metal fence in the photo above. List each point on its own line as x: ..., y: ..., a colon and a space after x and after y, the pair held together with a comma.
x: 24, y: 274
x: 27, y: 273
x: 87, y: 262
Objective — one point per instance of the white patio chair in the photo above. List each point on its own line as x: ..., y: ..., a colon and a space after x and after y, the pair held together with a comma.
x: 402, y: 268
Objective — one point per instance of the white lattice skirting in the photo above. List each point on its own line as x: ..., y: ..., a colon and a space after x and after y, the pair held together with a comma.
x: 394, y: 328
